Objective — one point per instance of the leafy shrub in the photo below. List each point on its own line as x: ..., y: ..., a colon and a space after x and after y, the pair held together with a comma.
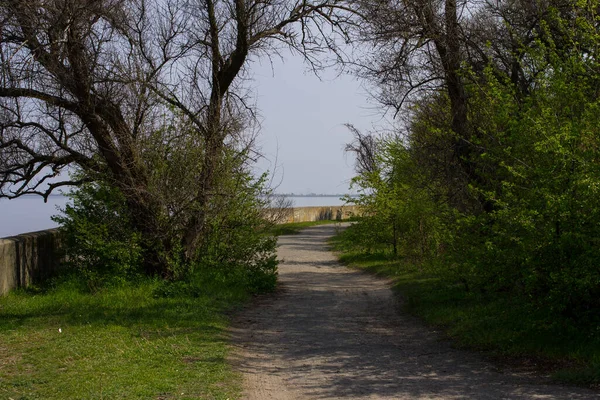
x: 524, y: 202
x: 100, y: 245
x: 238, y: 245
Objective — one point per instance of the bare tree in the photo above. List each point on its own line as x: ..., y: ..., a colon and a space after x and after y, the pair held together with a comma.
x: 223, y: 35
x: 71, y: 96
x: 141, y: 93
x: 419, y: 49
x: 280, y: 209
x: 365, y: 149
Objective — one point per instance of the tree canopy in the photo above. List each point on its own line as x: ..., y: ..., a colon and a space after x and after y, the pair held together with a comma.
x: 146, y: 96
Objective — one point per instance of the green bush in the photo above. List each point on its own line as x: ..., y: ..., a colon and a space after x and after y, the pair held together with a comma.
x: 239, y: 245
x: 236, y: 245
x: 540, y: 239
x: 519, y: 212
x: 400, y: 216
x: 100, y: 245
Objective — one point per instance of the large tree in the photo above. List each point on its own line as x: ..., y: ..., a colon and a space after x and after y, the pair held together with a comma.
x: 427, y: 55
x: 418, y: 49
x: 109, y: 87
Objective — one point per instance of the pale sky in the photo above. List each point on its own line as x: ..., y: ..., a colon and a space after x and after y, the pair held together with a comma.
x: 303, y: 124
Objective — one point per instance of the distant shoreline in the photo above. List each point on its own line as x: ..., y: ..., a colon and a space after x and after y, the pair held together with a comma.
x: 314, y: 195
x: 29, y: 213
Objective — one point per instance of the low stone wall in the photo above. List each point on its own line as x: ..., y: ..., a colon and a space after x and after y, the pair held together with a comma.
x: 28, y: 258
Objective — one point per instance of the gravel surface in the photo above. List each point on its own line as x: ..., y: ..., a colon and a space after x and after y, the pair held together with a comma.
x: 334, y: 333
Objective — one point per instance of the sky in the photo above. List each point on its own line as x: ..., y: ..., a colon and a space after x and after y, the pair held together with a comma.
x: 302, y: 134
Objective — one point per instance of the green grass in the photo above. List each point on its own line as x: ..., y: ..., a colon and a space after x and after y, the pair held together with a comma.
x: 293, y: 228
x: 506, y: 327
x: 120, y: 343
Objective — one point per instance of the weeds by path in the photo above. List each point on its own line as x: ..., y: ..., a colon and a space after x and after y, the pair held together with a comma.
x: 507, y: 327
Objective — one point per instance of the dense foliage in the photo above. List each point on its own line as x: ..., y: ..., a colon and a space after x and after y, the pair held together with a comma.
x: 99, y: 241
x: 104, y: 249
x: 517, y: 208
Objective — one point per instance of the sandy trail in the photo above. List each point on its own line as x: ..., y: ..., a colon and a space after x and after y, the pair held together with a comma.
x: 334, y: 333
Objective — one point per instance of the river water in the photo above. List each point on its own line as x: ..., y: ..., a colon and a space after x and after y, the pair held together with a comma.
x: 30, y: 213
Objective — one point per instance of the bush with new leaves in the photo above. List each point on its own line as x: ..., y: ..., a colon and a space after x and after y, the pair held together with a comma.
x: 100, y: 244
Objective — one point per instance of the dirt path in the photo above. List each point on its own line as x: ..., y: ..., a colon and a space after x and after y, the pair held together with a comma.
x: 335, y: 333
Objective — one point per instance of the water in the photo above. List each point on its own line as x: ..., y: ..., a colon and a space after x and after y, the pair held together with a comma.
x: 30, y: 213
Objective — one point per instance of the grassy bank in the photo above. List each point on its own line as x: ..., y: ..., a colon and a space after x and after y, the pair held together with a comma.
x: 147, y: 340
x: 506, y: 327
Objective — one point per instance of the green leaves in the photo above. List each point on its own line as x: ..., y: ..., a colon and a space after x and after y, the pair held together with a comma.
x: 400, y: 215
x: 100, y: 244
x: 520, y: 211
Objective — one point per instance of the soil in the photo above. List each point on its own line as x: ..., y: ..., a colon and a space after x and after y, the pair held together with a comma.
x: 330, y: 332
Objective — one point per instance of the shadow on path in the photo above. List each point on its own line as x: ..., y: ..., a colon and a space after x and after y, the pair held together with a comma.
x: 335, y: 333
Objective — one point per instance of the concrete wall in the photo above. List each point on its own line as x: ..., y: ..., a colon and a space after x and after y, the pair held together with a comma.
x: 28, y: 258
x: 305, y: 214
x: 32, y: 257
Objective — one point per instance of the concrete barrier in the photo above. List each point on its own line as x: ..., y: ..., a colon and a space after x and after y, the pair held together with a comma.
x: 28, y: 258
x: 32, y: 257
x: 306, y: 214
